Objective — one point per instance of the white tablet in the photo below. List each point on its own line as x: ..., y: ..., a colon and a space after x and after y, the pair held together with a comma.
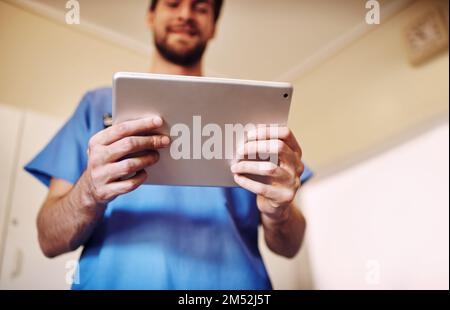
x: 204, y: 117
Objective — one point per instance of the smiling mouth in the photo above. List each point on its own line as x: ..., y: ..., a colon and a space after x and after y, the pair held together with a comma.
x: 186, y: 33
x: 183, y: 30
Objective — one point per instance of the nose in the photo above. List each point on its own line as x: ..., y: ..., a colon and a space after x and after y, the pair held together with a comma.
x: 184, y: 12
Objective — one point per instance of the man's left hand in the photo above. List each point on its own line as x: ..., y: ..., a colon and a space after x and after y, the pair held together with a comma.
x: 275, y: 197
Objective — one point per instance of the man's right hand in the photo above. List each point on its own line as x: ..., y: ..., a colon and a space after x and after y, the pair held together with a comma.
x: 71, y: 212
x: 109, y: 161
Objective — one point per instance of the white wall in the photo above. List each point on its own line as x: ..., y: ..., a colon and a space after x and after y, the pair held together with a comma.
x: 383, y: 223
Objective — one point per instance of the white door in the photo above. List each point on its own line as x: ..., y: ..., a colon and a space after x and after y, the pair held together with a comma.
x: 24, y: 266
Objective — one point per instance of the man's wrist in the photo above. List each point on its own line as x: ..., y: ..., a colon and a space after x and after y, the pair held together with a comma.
x: 278, y: 219
x: 86, y: 198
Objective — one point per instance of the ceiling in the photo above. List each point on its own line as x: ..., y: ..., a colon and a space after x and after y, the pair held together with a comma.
x: 256, y: 39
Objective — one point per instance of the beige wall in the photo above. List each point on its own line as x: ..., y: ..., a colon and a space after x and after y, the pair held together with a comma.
x: 47, y: 66
x: 367, y: 94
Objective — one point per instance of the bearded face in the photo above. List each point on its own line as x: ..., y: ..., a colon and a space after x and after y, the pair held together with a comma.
x: 182, y: 29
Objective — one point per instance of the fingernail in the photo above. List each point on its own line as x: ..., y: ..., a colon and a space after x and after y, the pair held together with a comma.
x: 165, y: 140
x: 234, y: 168
x: 157, y: 121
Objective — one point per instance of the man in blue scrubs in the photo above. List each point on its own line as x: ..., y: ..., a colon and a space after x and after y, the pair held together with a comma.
x: 163, y: 237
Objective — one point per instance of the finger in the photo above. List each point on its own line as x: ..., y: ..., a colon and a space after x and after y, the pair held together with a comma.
x: 253, y: 148
x: 126, y: 129
x: 128, y: 185
x: 263, y: 168
x: 130, y: 145
x: 276, y: 151
x: 263, y: 149
x: 129, y: 166
x: 275, y: 132
x: 271, y: 192
x: 257, y: 188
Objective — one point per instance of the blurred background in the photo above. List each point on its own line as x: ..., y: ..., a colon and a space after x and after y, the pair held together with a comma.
x: 370, y: 109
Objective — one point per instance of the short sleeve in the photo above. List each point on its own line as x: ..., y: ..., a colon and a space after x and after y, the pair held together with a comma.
x: 307, y: 174
x: 65, y: 157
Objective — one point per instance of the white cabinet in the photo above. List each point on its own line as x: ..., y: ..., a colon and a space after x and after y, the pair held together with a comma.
x: 24, y: 266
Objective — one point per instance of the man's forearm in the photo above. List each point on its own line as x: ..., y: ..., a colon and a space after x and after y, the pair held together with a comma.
x: 64, y: 223
x: 284, y: 236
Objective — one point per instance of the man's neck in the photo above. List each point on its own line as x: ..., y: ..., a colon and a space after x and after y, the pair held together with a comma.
x: 162, y: 66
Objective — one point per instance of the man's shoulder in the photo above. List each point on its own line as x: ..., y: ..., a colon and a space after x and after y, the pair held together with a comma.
x: 94, y: 107
x: 101, y: 96
x: 97, y: 101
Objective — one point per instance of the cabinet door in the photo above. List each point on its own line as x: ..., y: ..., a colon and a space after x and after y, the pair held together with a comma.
x: 10, y: 120
x: 24, y: 266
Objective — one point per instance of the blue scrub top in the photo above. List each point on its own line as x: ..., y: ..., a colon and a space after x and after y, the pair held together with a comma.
x: 158, y: 237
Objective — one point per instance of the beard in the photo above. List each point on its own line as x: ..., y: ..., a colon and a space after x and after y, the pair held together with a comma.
x: 187, y: 58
